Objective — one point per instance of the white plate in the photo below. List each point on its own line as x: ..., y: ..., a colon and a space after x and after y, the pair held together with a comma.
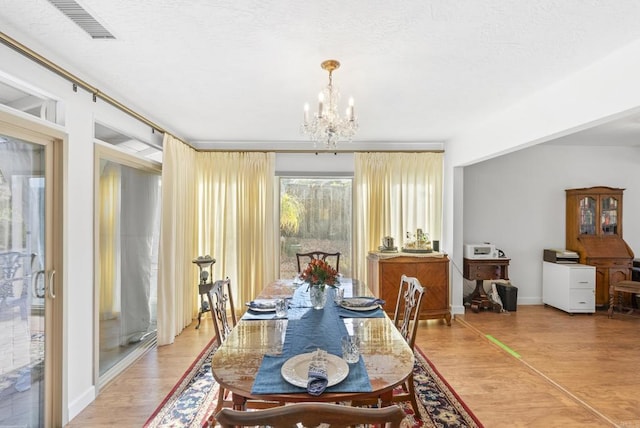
x: 345, y: 304
x: 266, y: 305
x: 296, y: 369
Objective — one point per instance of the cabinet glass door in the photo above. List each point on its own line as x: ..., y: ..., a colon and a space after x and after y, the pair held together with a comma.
x: 609, y: 215
x: 587, y: 216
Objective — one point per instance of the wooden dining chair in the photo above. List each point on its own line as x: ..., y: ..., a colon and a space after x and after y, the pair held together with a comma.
x: 304, y: 258
x: 313, y: 414
x: 224, y: 320
x: 406, y: 318
x: 221, y: 303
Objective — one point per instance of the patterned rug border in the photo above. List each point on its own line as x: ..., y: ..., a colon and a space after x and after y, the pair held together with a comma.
x: 181, y: 385
x: 450, y: 390
x: 169, y: 411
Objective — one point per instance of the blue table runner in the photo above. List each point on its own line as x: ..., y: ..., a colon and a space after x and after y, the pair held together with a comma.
x: 315, y: 329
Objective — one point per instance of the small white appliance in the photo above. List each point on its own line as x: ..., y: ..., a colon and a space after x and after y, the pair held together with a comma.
x: 480, y: 251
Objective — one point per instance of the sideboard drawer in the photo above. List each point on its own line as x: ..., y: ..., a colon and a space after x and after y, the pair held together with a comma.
x: 486, y: 271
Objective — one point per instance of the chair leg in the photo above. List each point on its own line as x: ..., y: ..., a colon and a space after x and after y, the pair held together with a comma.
x: 412, y: 395
x: 199, y: 316
x: 221, y: 394
x: 211, y: 421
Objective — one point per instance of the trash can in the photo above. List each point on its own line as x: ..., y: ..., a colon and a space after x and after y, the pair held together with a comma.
x: 509, y: 296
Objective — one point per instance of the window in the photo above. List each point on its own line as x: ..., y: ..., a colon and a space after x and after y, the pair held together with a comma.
x: 127, y: 144
x: 22, y: 97
x: 315, y: 214
x: 128, y: 227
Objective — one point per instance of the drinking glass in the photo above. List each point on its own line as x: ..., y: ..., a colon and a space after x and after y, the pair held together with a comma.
x: 339, y: 295
x: 281, y: 308
x: 351, y: 348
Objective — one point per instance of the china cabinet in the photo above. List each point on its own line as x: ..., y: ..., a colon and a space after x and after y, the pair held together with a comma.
x: 594, y: 230
x: 432, y: 270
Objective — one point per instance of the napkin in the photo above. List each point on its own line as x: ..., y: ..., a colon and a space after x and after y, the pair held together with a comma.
x: 262, y: 304
x: 361, y: 302
x: 317, y: 378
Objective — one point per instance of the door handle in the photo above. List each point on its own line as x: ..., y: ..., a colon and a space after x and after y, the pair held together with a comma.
x: 34, y: 284
x: 52, y: 293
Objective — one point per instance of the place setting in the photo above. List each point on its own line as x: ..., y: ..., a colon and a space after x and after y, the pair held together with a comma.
x: 318, y: 370
x: 315, y: 371
x: 265, y: 309
x: 358, y: 307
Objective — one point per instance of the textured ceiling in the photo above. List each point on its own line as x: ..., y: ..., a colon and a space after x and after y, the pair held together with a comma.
x: 237, y: 71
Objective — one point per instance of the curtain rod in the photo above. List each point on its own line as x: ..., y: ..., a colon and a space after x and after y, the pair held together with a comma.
x: 34, y: 56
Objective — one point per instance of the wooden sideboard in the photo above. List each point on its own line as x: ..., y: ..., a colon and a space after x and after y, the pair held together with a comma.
x: 384, y: 271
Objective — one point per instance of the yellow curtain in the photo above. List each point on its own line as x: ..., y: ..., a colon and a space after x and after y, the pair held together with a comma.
x: 395, y: 193
x: 177, y: 278
x: 214, y: 203
x: 236, y: 218
x: 109, y: 206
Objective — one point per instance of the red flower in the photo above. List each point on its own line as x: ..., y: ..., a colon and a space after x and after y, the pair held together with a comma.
x: 319, y: 272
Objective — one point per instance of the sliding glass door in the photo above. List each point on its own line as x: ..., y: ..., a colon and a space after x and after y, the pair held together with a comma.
x: 128, y: 228
x: 315, y: 215
x: 29, y: 286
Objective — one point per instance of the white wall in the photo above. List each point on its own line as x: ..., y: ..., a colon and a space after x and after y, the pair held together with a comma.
x: 315, y: 163
x: 517, y: 201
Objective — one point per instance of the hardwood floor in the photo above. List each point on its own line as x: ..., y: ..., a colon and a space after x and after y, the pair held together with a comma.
x: 553, y: 370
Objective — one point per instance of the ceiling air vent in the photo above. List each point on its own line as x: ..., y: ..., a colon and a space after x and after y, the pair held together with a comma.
x: 82, y: 18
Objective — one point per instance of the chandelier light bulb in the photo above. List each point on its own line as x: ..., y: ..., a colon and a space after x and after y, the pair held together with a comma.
x: 306, y: 113
x: 327, y: 127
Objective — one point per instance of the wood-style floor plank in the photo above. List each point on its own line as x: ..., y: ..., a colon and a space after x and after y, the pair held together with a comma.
x: 573, y: 371
x: 131, y: 398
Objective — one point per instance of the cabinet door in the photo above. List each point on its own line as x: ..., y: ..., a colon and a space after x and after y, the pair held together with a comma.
x: 390, y: 274
x: 587, y: 215
x: 602, y: 284
x: 434, y: 277
x: 609, y: 215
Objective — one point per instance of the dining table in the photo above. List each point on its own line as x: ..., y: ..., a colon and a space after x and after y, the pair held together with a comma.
x: 251, y: 363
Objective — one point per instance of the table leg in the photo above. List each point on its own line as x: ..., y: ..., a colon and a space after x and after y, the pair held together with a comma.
x: 239, y: 402
x: 386, y: 399
x: 479, y: 298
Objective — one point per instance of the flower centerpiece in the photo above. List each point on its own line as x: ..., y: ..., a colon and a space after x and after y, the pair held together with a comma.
x: 318, y: 274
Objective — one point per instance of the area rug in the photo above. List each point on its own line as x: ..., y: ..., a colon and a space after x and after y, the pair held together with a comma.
x: 193, y: 399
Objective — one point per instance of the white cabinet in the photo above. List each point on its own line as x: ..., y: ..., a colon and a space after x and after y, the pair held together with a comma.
x: 570, y: 287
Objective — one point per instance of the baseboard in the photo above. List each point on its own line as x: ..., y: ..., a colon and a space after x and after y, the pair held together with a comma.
x: 457, y: 310
x: 530, y: 300
x: 78, y: 405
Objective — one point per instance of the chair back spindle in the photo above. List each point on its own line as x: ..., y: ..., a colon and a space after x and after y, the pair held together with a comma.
x: 409, y: 304
x: 304, y: 258
x: 221, y: 302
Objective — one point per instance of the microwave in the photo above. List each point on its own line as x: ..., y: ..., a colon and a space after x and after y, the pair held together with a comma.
x: 480, y: 251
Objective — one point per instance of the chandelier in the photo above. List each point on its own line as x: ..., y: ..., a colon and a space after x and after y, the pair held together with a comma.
x: 326, y: 126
